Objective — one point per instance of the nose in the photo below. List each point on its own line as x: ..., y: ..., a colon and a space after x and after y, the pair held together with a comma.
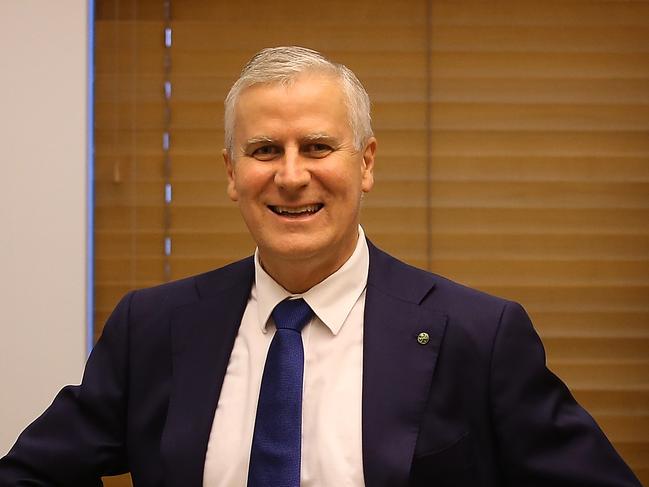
x: 292, y: 173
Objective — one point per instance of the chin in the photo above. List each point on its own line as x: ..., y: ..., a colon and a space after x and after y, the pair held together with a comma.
x: 292, y: 250
x: 323, y: 245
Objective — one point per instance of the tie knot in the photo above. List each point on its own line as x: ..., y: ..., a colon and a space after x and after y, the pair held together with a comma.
x: 292, y: 314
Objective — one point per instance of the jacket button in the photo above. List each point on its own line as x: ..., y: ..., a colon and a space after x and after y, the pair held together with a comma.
x: 423, y: 338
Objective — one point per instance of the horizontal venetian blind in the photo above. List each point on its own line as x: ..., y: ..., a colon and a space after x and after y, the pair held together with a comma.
x: 540, y: 185
x: 210, y: 45
x: 129, y: 123
x: 524, y: 173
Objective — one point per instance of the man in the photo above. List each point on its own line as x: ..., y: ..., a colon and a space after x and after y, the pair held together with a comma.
x: 403, y: 377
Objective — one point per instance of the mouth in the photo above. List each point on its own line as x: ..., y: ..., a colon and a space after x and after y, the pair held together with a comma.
x: 296, y: 211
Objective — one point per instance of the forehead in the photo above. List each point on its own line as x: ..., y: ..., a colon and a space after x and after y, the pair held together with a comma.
x: 311, y: 100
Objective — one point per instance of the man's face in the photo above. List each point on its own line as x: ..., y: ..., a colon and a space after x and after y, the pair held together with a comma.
x: 295, y: 172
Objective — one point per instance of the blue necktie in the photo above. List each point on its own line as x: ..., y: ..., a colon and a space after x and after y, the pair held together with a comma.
x: 276, y: 444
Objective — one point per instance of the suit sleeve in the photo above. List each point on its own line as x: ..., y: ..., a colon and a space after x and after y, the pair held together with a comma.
x: 544, y: 436
x: 81, y: 436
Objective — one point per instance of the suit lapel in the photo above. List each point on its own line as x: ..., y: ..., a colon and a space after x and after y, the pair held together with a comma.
x: 202, y: 336
x: 397, y: 369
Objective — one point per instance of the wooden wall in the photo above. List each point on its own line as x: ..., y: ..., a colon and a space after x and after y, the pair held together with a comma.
x: 513, y: 156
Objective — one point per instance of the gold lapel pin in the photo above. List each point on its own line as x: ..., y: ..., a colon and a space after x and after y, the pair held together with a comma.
x: 423, y: 338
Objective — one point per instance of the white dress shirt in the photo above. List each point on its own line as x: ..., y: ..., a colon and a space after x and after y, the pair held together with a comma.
x: 333, y: 373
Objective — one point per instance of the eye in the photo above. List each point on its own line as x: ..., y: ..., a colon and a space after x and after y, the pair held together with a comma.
x: 317, y: 150
x: 265, y: 152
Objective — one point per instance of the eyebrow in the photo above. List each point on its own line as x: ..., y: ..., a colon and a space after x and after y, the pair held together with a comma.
x: 261, y: 139
x: 258, y: 140
x: 320, y: 137
x: 307, y: 139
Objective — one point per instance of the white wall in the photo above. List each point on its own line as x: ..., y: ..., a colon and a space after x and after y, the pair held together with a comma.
x: 43, y: 129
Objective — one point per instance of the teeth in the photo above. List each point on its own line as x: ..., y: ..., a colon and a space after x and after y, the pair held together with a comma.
x: 286, y: 210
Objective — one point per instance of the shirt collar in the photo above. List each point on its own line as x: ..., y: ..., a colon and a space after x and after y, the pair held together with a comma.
x: 331, y: 300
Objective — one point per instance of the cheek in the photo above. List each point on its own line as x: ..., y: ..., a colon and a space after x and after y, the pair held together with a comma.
x: 247, y: 183
x: 347, y: 187
x: 340, y: 179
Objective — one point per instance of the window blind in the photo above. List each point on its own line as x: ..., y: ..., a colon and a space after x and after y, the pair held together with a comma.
x: 513, y: 156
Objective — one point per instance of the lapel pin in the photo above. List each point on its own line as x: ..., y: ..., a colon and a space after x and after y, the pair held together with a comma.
x: 423, y: 338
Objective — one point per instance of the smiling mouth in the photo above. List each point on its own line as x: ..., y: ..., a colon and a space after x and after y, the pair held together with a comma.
x: 296, y: 211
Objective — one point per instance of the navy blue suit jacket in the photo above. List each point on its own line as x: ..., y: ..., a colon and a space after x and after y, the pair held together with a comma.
x: 475, y: 406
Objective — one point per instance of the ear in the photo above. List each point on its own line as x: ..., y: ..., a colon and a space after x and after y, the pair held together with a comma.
x: 229, y: 169
x: 367, y: 168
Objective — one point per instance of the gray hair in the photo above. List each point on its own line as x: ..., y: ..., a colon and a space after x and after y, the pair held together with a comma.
x: 283, y: 65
